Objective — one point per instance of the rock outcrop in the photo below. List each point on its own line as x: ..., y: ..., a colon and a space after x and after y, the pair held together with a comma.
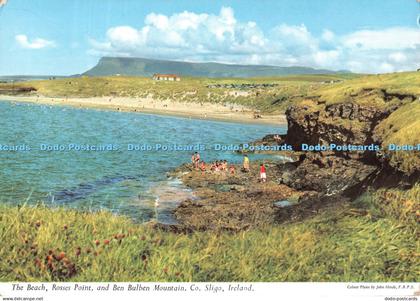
x: 331, y: 175
x: 341, y: 124
x: 314, y: 180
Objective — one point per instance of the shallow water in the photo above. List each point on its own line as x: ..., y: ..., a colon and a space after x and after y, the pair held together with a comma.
x: 122, y: 181
x: 283, y: 203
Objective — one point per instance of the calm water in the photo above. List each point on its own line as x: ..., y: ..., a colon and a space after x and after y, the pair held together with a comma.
x: 126, y: 182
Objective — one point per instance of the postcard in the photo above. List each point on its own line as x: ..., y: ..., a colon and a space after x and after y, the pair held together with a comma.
x: 209, y: 149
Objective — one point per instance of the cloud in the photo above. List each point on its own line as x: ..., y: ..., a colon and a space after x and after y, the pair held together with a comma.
x: 189, y: 36
x: 328, y: 35
x: 37, y: 43
x: 390, y: 38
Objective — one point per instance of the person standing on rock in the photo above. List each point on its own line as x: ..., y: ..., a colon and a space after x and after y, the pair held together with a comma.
x: 193, y: 160
x: 263, y: 173
x: 197, y: 160
x: 203, y: 167
x: 246, y: 163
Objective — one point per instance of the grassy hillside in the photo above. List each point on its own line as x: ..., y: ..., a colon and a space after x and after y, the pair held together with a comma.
x: 266, y: 94
x: 374, y: 241
x: 339, y: 105
x: 386, y: 91
x: 382, y: 90
x: 263, y: 93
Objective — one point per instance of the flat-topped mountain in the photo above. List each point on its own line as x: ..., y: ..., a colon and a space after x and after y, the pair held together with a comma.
x: 147, y: 67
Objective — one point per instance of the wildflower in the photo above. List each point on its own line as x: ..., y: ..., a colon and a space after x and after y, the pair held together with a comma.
x: 88, y: 250
x: 409, y: 203
x: 60, y: 256
x: 78, y: 251
x: 143, y: 237
x: 37, y: 262
x: 51, y: 266
x: 165, y: 270
x: 65, y: 227
x: 97, y: 242
x: 71, y: 269
x: 106, y: 242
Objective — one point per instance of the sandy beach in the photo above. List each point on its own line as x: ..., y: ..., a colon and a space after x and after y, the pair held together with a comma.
x: 207, y: 111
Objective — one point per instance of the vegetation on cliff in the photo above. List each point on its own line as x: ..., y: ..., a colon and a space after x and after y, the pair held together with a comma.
x: 380, y: 90
x: 401, y: 128
x: 381, y: 109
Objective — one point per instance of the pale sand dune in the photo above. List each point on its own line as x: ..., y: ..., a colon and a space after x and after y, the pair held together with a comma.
x: 149, y: 105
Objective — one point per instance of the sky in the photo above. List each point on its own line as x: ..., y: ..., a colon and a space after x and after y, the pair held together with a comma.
x: 50, y: 37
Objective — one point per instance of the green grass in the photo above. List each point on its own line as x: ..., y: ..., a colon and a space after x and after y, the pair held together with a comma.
x: 402, y: 127
x: 396, y: 91
x: 267, y: 99
x: 290, y: 89
x: 395, y: 203
x: 347, y: 244
x: 359, y: 89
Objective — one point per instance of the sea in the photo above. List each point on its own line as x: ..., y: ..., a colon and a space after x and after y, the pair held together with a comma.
x: 91, y: 159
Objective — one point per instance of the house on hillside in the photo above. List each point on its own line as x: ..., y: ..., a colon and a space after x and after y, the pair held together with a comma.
x: 170, y: 77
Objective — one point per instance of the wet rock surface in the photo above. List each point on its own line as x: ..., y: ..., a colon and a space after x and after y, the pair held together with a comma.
x: 330, y: 175
x: 240, y: 201
x: 231, y: 202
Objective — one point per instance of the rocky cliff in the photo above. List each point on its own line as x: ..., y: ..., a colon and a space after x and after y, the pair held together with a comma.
x: 356, y: 122
x: 313, y: 181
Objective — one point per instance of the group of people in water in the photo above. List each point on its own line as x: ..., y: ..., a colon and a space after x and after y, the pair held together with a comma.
x: 223, y: 166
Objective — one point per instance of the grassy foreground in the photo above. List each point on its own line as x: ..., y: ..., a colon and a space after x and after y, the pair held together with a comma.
x: 363, y: 243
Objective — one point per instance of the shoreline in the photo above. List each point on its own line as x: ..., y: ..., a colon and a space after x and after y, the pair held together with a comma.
x: 204, y: 111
